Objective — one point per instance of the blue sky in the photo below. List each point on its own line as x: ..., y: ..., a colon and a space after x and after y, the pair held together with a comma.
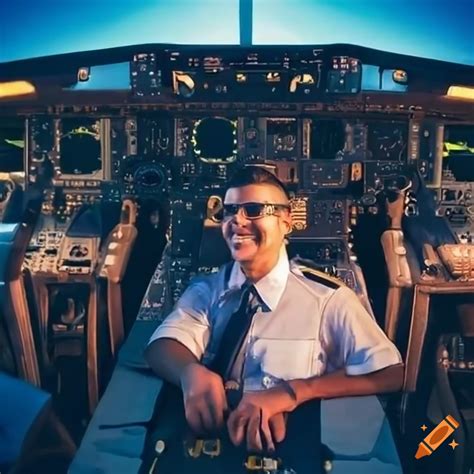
x: 438, y: 29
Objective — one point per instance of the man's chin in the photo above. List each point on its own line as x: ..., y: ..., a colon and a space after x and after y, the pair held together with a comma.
x: 242, y: 255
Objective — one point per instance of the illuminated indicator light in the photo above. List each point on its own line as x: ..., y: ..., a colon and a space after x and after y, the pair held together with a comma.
x: 17, y: 143
x: 400, y: 76
x: 461, y: 92
x: 16, y: 88
x: 272, y: 77
x: 83, y: 74
x: 356, y: 171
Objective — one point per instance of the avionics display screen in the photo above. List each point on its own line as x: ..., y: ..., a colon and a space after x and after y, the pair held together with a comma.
x: 387, y: 140
x: 282, y: 138
x: 11, y: 145
x: 328, y: 138
x: 458, y: 152
x: 80, y: 148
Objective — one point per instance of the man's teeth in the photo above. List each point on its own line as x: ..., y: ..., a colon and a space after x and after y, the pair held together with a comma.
x: 242, y: 238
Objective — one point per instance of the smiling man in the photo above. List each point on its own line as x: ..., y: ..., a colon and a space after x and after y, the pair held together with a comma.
x: 305, y: 339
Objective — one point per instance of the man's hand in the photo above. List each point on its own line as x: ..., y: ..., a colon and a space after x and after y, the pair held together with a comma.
x: 204, y: 398
x: 260, y: 417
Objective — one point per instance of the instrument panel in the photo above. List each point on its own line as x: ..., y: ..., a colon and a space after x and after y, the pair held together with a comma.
x: 231, y: 74
x: 143, y: 155
x: 336, y: 167
x: 456, y: 192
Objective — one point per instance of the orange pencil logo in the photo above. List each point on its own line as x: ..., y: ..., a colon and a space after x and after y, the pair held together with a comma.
x: 436, y: 437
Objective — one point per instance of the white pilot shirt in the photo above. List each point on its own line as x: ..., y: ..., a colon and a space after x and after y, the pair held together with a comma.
x: 301, y: 329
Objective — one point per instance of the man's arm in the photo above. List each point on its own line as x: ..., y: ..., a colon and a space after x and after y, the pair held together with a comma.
x: 339, y: 384
x: 181, y: 339
x: 369, y: 363
x: 174, y: 354
x: 252, y: 416
x: 168, y: 358
x: 288, y: 395
x: 203, y: 390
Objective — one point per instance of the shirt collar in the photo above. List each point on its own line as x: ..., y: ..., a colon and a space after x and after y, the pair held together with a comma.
x: 270, y: 288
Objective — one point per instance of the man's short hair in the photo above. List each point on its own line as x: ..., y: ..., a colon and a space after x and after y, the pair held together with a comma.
x: 255, y: 175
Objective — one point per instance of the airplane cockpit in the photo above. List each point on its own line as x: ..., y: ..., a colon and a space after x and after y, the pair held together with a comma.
x: 113, y: 169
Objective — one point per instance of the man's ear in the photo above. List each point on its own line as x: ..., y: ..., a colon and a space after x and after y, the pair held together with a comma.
x: 288, y: 223
x: 288, y: 230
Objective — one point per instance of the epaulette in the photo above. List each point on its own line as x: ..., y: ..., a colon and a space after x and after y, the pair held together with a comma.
x: 321, y: 277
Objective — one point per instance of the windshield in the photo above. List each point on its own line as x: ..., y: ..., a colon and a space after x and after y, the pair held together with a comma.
x: 435, y: 29
x: 29, y: 29
x: 439, y: 30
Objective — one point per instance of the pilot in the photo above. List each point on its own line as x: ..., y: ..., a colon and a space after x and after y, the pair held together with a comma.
x: 307, y: 339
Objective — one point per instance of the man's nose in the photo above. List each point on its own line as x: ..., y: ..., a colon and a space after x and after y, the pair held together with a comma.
x: 240, y: 218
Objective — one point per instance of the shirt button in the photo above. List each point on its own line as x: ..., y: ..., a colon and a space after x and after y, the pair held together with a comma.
x: 266, y: 381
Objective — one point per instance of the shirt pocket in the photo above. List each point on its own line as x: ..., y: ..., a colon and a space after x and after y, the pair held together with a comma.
x: 284, y: 359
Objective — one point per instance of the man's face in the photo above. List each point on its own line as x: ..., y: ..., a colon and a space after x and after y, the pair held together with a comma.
x: 256, y: 240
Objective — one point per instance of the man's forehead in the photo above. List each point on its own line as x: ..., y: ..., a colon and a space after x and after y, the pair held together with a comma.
x: 263, y: 192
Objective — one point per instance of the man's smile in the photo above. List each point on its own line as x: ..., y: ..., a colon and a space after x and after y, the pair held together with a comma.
x: 239, y: 239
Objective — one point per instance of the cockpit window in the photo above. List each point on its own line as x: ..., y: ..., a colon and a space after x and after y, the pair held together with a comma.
x: 104, y: 77
x: 404, y: 27
x: 31, y: 29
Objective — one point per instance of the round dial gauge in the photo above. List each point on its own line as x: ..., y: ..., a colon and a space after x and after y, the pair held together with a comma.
x: 214, y: 140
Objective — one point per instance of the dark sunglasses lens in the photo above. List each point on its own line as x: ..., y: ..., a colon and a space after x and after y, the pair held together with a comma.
x: 253, y: 210
x: 230, y: 209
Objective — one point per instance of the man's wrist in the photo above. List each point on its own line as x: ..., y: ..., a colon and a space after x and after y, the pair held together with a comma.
x: 186, y: 370
x: 291, y: 388
x: 300, y: 390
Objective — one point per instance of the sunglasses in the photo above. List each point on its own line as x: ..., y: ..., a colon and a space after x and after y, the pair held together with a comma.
x: 254, y: 210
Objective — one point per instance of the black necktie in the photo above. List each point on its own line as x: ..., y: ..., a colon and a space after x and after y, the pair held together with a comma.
x: 234, y: 334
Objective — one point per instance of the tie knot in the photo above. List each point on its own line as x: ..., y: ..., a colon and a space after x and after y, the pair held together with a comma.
x: 245, y: 291
x: 246, y: 286
x: 249, y: 296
